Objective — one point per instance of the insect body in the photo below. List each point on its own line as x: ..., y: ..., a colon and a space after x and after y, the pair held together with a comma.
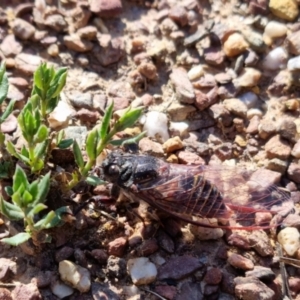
x: 193, y: 192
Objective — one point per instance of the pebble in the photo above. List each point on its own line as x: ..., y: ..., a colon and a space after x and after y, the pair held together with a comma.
x: 87, y: 116
x: 63, y: 253
x: 9, y: 125
x: 182, y: 85
x: 266, y: 128
x: 191, y: 291
x: 81, y: 100
x: 75, y: 43
x: 235, y: 45
x: 148, y: 69
x: 10, y: 46
x: 276, y: 147
x: 87, y: 32
x: 156, y: 125
x: 190, y: 158
x: 60, y: 289
x: 166, y: 291
x: 30, y: 291
x: 274, y: 30
x: 203, y: 233
x: 179, y: 15
x: 253, y: 125
x: 27, y: 63
x: 172, y: 144
x: 5, y: 294
x: 141, y: 270
x: 294, y: 63
x: 179, y: 267
x: 214, y: 56
x: 249, y: 77
x: 106, y: 9
x: 61, y: 115
x: 294, y: 284
x: 148, y: 247
x: 284, y: 9
x: 150, y: 147
x: 179, y: 128
x: 294, y: 172
x: 117, y: 247
x: 262, y: 273
x: 261, y: 243
x: 236, y: 107
x: 240, y: 262
x: 195, y: 72
x: 252, y: 288
x: 289, y: 238
x: 296, y: 150
x: 277, y: 165
x: 255, y: 40
x: 22, y: 29
x: 293, y: 42
x: 275, y: 59
x: 249, y: 98
x: 165, y: 241
x: 265, y: 177
x: 213, y: 276
x: 75, y: 275
x: 179, y: 112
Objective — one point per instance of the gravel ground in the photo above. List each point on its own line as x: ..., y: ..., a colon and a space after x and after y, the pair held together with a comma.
x: 219, y: 83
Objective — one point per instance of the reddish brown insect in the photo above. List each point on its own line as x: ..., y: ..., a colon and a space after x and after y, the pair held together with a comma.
x: 192, y: 192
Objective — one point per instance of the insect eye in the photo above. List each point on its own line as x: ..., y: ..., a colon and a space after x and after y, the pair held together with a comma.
x: 113, y: 170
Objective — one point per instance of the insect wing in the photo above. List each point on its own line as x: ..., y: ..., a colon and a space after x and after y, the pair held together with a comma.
x: 231, y: 194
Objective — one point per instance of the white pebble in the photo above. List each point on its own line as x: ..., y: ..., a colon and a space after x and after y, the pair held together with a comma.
x: 248, y: 78
x: 195, y: 72
x: 289, y: 238
x: 294, y: 63
x: 179, y: 128
x: 156, y: 125
x: 141, y: 270
x: 254, y: 112
x: 249, y: 99
x: 61, y: 290
x: 275, y: 29
x: 275, y: 59
x: 61, y: 115
x: 77, y: 276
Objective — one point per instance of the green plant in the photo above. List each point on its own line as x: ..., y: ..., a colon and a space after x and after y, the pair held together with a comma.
x: 27, y: 202
x: 98, y: 138
x: 32, y: 120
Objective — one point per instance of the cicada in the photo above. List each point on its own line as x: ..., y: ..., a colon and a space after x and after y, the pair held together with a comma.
x: 200, y: 192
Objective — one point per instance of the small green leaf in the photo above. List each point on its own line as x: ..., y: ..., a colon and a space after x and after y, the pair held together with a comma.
x: 43, y: 189
x: 9, y: 191
x: 38, y: 165
x: 3, y: 83
x: 38, y: 77
x: 36, y: 209
x: 94, y: 180
x: 91, y: 144
x: 10, y: 148
x: 57, y: 83
x: 128, y: 119
x: 41, y: 149
x: 24, y: 152
x: 57, y: 220
x: 7, y: 111
x: 60, y: 136
x: 33, y: 189
x: 42, y: 134
x: 78, y: 155
x: 27, y: 198
x: 105, y: 121
x: 64, y: 144
x: 133, y: 140
x: 51, y: 104
x: 35, y: 101
x: 19, y: 179
x: 11, y: 211
x: 17, y: 239
x: 17, y: 196
x: 42, y: 224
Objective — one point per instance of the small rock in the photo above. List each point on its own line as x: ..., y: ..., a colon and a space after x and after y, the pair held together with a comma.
x: 293, y: 41
x: 294, y: 64
x: 116, y: 267
x: 294, y: 284
x: 179, y: 15
x: 213, y: 276
x: 289, y: 238
x: 179, y: 128
x: 284, y: 9
x: 240, y: 240
x: 204, y: 100
x: 277, y: 165
x: 296, y: 150
x: 9, y: 125
x: 253, y: 125
x: 10, y: 46
x: 44, y: 278
x: 61, y: 115
x: 166, y: 291
x: 165, y: 242
x: 53, y: 50
x: 77, y: 276
x: 255, y: 40
x: 266, y: 128
x: 75, y: 43
x: 100, y: 255
x: 5, y: 294
x: 211, y: 291
x: 214, y: 56
x: 260, y: 241
x: 195, y: 72
x: 183, y: 87
x: 148, y: 70
x: 253, y: 288
x: 203, y: 233
x: 277, y: 147
x: 27, y: 63
x: 147, y: 99
x: 160, y: 130
x: 191, y: 291
x: 275, y: 59
x: 85, y: 115
x: 206, y: 81
x: 26, y: 292
x: 106, y: 9
x: 262, y: 273
x: 275, y: 30
x: 87, y: 32
x: 240, y: 262
x: 294, y: 172
x: 248, y: 78
x: 292, y: 104
x: 190, y: 158
x: 22, y: 29
x: 172, y: 144
x: 149, y: 147
x: 81, y: 100
x: 249, y: 98
x: 148, y: 247
x: 141, y: 270
x: 227, y: 90
x: 117, y: 247
x: 60, y: 289
x: 224, y: 151
x: 236, y: 106
x: 63, y: 253
x: 235, y: 45
x: 56, y: 22
x: 179, y: 267
x: 101, y: 291
x: 265, y: 178
x: 287, y: 129
x: 179, y: 112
